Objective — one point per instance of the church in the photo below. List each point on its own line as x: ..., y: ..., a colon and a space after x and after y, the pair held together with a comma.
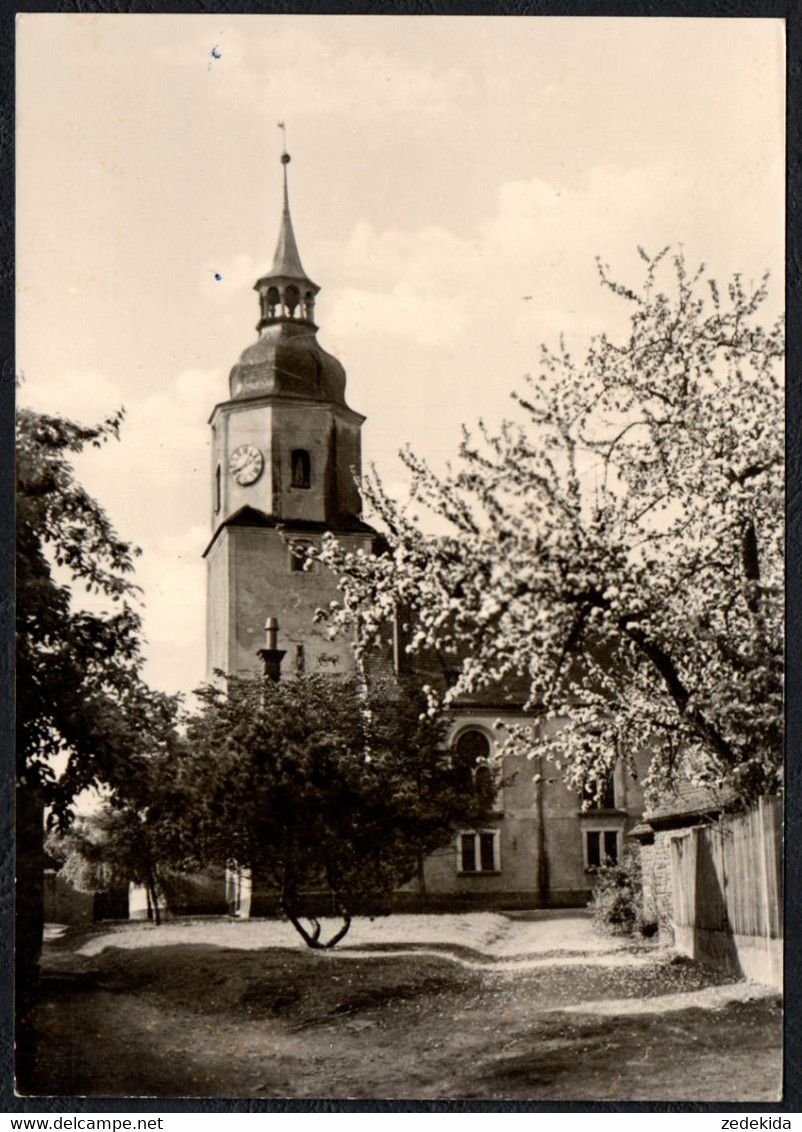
x: 286, y: 448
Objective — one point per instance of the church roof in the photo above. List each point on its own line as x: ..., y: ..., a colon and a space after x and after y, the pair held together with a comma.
x: 253, y: 517
x: 288, y: 359
x: 440, y: 670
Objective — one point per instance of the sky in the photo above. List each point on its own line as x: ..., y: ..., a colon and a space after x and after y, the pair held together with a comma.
x: 452, y: 181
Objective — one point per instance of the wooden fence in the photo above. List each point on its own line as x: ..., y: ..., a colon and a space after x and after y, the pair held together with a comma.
x: 727, y: 892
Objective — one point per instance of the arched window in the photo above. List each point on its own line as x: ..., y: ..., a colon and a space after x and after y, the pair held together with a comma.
x: 218, y: 489
x: 473, y: 747
x: 301, y: 467
x: 292, y: 296
x: 472, y: 752
x: 477, y: 849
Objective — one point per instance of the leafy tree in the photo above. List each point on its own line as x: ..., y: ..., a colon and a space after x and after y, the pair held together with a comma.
x: 106, y: 850
x: 622, y: 548
x: 130, y: 839
x: 72, y: 666
x: 83, y: 714
x: 318, y: 783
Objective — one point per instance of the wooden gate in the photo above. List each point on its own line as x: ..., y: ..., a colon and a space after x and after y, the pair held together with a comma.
x: 727, y: 892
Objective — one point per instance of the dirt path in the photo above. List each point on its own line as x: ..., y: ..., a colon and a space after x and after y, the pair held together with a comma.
x: 495, y: 935
x: 187, y: 1019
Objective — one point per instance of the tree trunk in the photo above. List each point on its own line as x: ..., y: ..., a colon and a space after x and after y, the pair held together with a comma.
x: 152, y: 893
x: 154, y: 898
x: 335, y: 939
x: 29, y: 925
x: 313, y: 939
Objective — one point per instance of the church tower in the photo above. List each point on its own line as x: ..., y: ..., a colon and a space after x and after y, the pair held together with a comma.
x: 286, y: 449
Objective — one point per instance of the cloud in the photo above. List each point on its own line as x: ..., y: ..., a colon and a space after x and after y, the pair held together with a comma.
x: 173, y: 576
x: 529, y: 268
x: 429, y: 286
x: 155, y: 481
x: 307, y: 70
x: 86, y: 396
x: 154, y: 487
x: 432, y: 259
x: 402, y: 312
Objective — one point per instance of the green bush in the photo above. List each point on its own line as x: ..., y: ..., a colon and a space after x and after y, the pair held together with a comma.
x: 617, y: 898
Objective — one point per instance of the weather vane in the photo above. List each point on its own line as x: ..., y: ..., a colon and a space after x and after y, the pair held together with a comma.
x: 284, y: 155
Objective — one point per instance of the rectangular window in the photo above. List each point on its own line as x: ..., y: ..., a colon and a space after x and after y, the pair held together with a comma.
x: 487, y: 852
x: 601, y: 847
x: 297, y: 559
x: 478, y: 852
x: 218, y: 490
x: 467, y: 852
x: 600, y: 799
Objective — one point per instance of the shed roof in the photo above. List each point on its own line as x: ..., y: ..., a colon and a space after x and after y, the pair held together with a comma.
x: 691, y: 800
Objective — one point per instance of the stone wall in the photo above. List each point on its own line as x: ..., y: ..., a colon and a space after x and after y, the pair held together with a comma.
x: 65, y: 904
x: 656, y: 873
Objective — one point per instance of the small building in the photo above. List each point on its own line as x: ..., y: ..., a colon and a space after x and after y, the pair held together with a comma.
x: 685, y: 808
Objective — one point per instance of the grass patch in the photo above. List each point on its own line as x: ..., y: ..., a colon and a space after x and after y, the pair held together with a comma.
x: 200, y: 1018
x: 301, y: 988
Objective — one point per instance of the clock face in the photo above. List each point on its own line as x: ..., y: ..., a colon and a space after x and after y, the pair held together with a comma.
x: 246, y: 464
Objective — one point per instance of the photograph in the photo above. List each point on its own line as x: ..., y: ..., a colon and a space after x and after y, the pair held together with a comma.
x: 400, y: 563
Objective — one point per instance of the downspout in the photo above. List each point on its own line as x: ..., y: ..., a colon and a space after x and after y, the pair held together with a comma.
x: 542, y: 860
x: 420, y: 868
x: 421, y: 881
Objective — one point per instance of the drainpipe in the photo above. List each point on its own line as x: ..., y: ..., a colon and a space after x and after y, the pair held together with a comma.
x: 542, y: 860
x: 271, y: 657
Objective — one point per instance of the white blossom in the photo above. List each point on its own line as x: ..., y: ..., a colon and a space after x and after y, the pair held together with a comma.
x: 622, y: 549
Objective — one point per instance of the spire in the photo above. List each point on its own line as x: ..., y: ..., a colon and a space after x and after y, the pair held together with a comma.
x: 287, y: 261
x: 286, y: 292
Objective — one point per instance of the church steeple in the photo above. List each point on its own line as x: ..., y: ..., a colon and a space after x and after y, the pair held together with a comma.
x: 286, y: 292
x: 287, y: 359
x: 286, y: 454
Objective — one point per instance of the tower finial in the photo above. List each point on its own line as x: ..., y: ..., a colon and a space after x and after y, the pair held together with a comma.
x: 286, y: 292
x: 285, y: 157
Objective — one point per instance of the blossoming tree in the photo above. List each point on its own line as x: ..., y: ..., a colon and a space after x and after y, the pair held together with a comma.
x: 620, y: 545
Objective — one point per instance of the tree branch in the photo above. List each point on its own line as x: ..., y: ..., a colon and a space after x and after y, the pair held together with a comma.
x: 679, y: 693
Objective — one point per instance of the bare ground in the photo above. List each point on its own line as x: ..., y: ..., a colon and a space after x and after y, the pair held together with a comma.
x: 519, y: 1010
